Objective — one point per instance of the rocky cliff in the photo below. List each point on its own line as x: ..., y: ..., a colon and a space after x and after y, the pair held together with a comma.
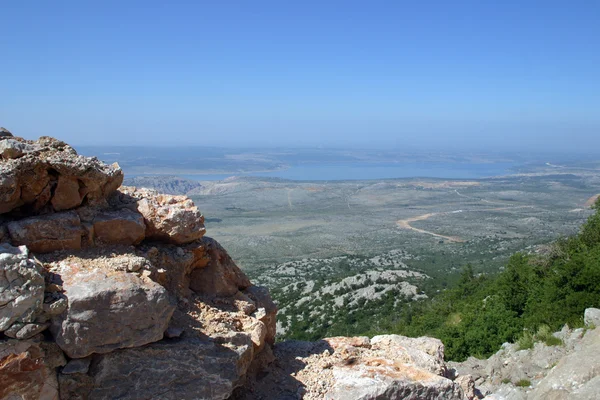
x: 114, y: 292
x: 111, y: 292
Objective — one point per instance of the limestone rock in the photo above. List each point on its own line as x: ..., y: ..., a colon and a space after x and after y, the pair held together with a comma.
x: 221, y: 277
x: 108, y: 309
x: 423, y: 352
x: 10, y: 149
x: 386, y: 379
x: 168, y: 218
x: 576, y: 375
x: 354, y: 368
x: 266, y: 310
x: 35, y: 175
x: 123, y: 227
x: 47, y: 233
x: 591, y: 317
x: 21, y: 287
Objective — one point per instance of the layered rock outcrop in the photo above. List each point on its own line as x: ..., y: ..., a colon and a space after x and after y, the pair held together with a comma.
x: 114, y: 292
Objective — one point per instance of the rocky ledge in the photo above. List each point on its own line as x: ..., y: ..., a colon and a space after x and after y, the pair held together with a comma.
x: 114, y: 292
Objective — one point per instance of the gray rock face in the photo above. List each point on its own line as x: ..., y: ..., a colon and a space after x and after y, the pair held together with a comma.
x: 576, y: 376
x: 390, y: 381
x: 591, y: 317
x: 178, y: 369
x: 109, y: 310
x: 47, y: 233
x: 21, y: 287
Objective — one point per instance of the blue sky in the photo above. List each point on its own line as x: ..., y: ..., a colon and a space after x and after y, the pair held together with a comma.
x: 479, y: 74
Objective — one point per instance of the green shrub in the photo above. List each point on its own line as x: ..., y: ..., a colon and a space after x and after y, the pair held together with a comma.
x: 523, y: 383
x: 545, y: 335
x: 525, y: 342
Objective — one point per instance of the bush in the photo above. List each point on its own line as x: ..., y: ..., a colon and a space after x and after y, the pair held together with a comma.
x: 525, y: 342
x: 523, y: 383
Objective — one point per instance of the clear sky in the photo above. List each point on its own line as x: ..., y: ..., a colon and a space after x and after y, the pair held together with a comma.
x: 522, y: 74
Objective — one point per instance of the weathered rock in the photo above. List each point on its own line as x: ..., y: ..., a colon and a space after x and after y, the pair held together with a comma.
x: 591, y: 317
x: 48, y: 172
x: 27, y: 370
x: 192, y: 368
x: 21, y: 287
x: 423, y: 352
x: 266, y: 310
x: 5, y: 132
x: 25, y: 331
x: 221, y: 277
x: 66, y: 193
x: 354, y: 368
x: 108, y: 309
x: 47, y: 233
x: 575, y: 375
x: 123, y: 227
x: 467, y: 384
x: 386, y: 379
x: 77, y: 366
x: 10, y: 149
x: 173, y: 219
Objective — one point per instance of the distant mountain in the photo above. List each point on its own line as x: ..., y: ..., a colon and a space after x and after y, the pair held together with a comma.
x: 164, y: 184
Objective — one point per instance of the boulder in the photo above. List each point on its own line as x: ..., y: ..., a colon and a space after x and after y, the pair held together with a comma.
x: 21, y: 287
x: 591, y: 317
x: 355, y: 368
x: 192, y: 368
x: 378, y: 378
x: 47, y: 233
x: 108, y: 309
x: 125, y: 227
x: 423, y: 352
x: 173, y: 219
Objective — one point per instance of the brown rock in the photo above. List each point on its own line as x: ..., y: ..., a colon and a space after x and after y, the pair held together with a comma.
x: 66, y: 194
x: 30, y: 170
x: 27, y: 370
x: 221, y: 277
x: 47, y: 233
x: 108, y: 309
x: 173, y: 219
x: 123, y: 227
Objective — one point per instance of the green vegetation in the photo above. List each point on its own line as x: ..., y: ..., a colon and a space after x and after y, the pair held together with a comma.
x: 523, y: 383
x: 532, y: 294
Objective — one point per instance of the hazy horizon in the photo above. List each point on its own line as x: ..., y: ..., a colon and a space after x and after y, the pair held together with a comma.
x: 462, y: 75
